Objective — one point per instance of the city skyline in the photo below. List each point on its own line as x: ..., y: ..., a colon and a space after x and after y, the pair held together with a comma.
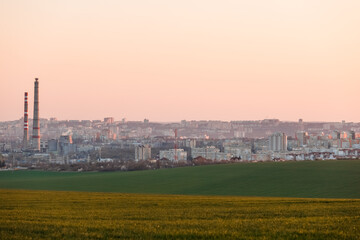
x: 172, y: 61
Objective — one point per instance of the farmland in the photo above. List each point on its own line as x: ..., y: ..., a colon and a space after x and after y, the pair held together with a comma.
x: 307, y: 179
x: 148, y: 204
x: 29, y: 214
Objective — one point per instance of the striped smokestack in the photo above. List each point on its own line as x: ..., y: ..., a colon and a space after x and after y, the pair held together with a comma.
x: 36, y: 122
x: 26, y: 123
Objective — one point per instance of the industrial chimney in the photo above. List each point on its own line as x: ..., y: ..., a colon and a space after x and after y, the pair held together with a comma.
x: 26, y: 123
x: 36, y: 120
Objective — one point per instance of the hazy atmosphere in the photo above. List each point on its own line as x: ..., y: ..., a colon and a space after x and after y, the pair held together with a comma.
x: 187, y: 119
x: 174, y: 60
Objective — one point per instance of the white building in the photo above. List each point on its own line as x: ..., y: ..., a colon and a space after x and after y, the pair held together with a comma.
x: 207, y: 152
x: 278, y: 142
x: 335, y: 135
x: 142, y: 152
x: 301, y: 138
x: 170, y: 154
x: 242, y: 152
x: 239, y: 134
x: 191, y: 143
x: 211, y: 153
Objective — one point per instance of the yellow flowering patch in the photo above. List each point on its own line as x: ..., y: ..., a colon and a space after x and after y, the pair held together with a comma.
x: 82, y: 215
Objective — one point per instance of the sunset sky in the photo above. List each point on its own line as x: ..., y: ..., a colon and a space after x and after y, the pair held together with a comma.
x: 189, y: 59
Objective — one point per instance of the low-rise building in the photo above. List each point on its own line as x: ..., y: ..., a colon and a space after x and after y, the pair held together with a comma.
x: 211, y: 153
x: 170, y: 154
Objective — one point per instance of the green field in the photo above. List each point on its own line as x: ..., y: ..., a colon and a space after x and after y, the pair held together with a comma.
x: 308, y: 179
x: 29, y: 214
x: 80, y: 208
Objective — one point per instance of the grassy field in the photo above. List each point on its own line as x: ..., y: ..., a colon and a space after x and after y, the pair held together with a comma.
x: 29, y: 214
x: 313, y: 179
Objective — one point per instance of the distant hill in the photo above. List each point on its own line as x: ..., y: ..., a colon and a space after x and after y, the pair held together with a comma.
x: 313, y: 179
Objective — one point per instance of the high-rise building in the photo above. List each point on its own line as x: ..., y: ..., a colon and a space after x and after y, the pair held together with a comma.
x: 301, y: 124
x: 351, y: 135
x: 301, y: 138
x: 191, y: 143
x: 109, y: 120
x: 65, y: 145
x: 142, y: 152
x: 278, y: 142
x: 335, y: 135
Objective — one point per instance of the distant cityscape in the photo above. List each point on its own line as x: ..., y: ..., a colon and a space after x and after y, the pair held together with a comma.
x: 107, y: 140
x: 111, y: 144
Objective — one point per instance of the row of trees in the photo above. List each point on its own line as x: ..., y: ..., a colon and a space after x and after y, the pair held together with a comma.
x: 119, y: 165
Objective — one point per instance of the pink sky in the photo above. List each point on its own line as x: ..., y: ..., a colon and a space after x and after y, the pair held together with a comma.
x: 173, y: 60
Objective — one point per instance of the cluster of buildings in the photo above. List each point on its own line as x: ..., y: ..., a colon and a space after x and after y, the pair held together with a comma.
x: 66, y: 141
x: 277, y: 146
x: 63, y: 141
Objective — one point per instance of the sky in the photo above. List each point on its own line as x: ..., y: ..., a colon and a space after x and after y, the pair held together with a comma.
x: 173, y: 60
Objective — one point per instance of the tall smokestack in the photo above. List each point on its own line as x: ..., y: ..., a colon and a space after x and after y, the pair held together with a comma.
x: 26, y: 123
x: 36, y: 121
